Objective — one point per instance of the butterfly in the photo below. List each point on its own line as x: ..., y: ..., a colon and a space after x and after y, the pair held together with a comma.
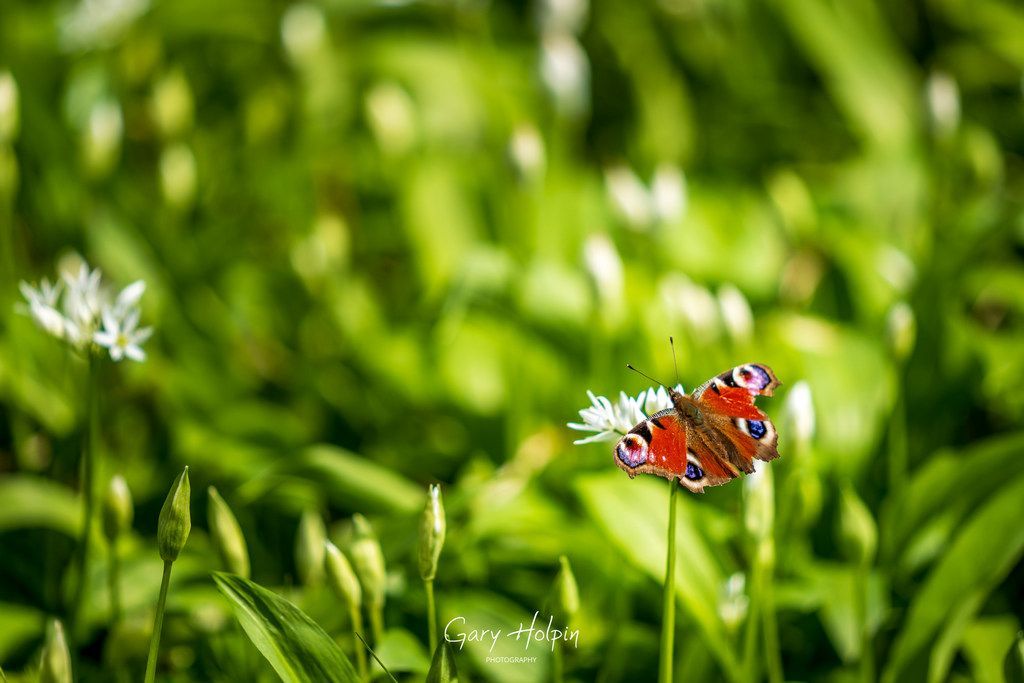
x: 708, y: 437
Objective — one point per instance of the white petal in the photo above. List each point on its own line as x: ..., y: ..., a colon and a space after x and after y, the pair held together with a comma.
x: 105, y: 338
x: 603, y: 436
x: 29, y: 292
x: 140, y: 336
x: 130, y: 295
x: 135, y: 353
x: 110, y: 322
x: 116, y: 352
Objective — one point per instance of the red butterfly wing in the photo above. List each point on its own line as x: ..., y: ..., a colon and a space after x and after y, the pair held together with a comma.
x: 661, y: 446
x: 731, y: 395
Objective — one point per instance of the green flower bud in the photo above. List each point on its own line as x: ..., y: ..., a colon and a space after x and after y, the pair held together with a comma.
x: 432, y: 529
x: 56, y: 662
x: 857, y: 531
x: 566, y: 593
x: 901, y: 330
x: 368, y: 559
x: 341, y: 577
x: 175, y: 519
x: 309, y: 548
x: 8, y: 107
x: 227, y: 535
x: 117, y: 508
x: 442, y: 667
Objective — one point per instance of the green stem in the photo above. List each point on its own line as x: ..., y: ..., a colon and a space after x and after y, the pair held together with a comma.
x: 87, y: 465
x: 114, y: 586
x: 558, y: 664
x: 668, y: 609
x: 377, y: 624
x: 158, y: 624
x: 867, y: 651
x: 431, y: 614
x: 898, y: 453
x: 773, y: 656
x: 357, y: 643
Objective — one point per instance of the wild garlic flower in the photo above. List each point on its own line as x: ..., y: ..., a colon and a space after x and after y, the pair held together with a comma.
x: 82, y: 311
x: 610, y: 420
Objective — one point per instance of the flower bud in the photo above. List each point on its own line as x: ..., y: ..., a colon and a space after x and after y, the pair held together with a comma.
x: 175, y: 519
x: 309, y: 548
x: 8, y: 107
x: 56, y: 662
x: 432, y: 529
x: 117, y: 508
x: 798, y: 414
x: 341, y: 577
x: 566, y: 594
x: 857, y: 531
x: 227, y: 535
x: 368, y: 560
x: 901, y: 330
x: 442, y: 667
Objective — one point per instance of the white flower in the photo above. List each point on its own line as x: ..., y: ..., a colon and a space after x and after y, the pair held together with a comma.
x: 42, y: 305
x: 121, y: 336
x: 82, y: 305
x: 88, y: 315
x: 610, y: 421
x: 736, y: 312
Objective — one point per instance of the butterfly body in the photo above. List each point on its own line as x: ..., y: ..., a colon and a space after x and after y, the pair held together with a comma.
x: 708, y: 437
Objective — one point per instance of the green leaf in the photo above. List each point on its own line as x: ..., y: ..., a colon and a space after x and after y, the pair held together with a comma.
x: 297, y: 648
x: 1013, y: 665
x: 350, y: 480
x: 986, y: 548
x: 938, y: 489
x: 31, y: 501
x: 400, y: 651
x: 634, y: 515
x: 985, y: 644
x: 483, y: 626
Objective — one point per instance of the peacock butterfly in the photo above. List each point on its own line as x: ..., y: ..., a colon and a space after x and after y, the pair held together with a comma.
x: 708, y: 437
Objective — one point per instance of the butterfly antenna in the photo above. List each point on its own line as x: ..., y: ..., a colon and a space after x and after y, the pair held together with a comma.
x: 644, y: 374
x: 675, y: 364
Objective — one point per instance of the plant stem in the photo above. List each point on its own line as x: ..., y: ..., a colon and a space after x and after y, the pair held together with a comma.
x: 431, y: 614
x: 558, y: 664
x: 357, y: 642
x: 87, y: 466
x: 158, y: 624
x: 668, y: 610
x: 867, y: 652
x: 377, y: 624
x: 114, y: 577
x: 773, y: 655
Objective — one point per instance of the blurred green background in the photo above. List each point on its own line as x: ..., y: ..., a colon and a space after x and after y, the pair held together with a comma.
x: 393, y: 243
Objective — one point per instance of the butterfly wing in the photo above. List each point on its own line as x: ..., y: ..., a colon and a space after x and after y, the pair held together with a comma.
x: 728, y: 400
x: 666, y: 446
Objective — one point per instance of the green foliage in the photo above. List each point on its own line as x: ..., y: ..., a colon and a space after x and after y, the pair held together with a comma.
x: 388, y: 245
x: 298, y: 649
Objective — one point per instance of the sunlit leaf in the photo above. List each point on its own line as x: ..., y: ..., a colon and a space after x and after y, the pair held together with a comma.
x: 298, y: 649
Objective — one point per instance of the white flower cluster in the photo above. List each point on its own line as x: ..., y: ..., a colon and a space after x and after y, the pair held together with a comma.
x: 89, y: 316
x: 611, y: 420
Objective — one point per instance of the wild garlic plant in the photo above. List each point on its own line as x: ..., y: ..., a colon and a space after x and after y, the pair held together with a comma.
x: 95, y: 320
x: 609, y: 422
